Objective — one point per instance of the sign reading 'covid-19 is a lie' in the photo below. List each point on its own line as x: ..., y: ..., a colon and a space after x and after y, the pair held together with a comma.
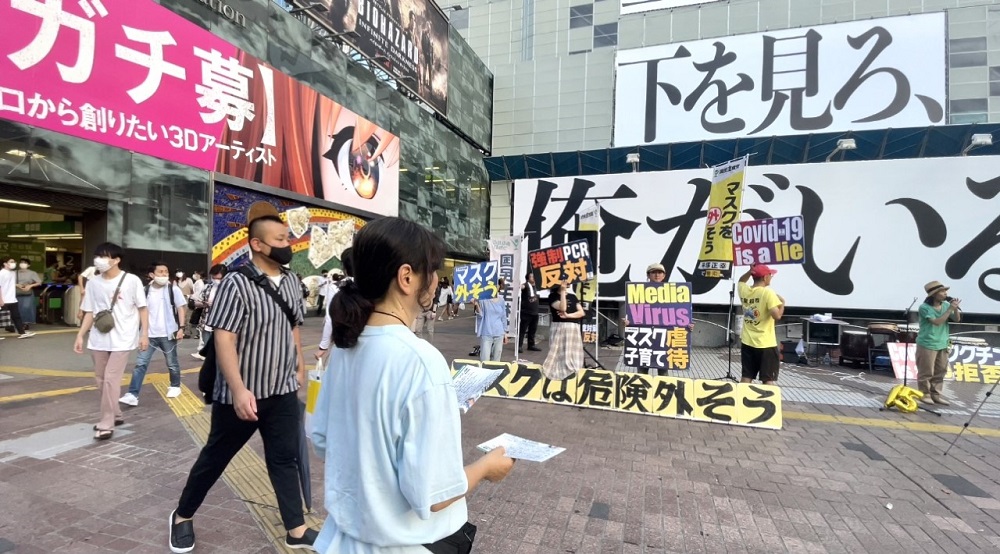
x: 769, y: 241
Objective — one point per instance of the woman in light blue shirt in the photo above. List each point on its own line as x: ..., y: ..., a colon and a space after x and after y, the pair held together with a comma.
x: 491, y: 326
x: 387, y: 418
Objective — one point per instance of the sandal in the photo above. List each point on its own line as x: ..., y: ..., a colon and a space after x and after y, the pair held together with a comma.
x: 103, y: 435
x: 117, y: 423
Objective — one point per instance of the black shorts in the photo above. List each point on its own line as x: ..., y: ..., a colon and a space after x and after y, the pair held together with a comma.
x: 759, y: 363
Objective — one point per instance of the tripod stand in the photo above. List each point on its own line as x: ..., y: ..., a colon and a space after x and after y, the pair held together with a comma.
x: 729, y: 334
x: 973, y: 416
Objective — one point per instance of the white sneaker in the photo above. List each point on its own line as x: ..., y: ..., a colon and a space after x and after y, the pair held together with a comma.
x: 197, y: 356
x: 173, y: 392
x: 26, y: 335
x: 129, y: 400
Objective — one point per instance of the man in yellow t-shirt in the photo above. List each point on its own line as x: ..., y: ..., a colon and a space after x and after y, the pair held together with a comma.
x: 761, y: 308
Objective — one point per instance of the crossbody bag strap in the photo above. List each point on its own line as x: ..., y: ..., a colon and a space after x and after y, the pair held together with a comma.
x: 269, y: 290
x: 118, y: 289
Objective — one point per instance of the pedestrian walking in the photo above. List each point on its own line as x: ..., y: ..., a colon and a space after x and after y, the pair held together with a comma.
x: 324, y: 341
x: 205, y: 301
x: 115, y: 322
x: 255, y: 321
x: 446, y: 298
x: 387, y: 421
x: 27, y: 281
x: 8, y: 297
x: 165, y: 310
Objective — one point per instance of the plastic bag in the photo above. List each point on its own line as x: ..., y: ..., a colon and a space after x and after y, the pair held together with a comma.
x: 461, y: 305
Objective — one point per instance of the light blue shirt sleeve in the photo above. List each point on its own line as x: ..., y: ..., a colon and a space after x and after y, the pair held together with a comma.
x: 430, y: 450
x: 319, y: 422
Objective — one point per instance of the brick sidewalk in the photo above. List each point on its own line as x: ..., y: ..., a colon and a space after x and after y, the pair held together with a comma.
x: 627, y: 483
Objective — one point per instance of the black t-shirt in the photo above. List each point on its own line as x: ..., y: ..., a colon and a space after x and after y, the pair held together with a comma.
x: 571, y: 306
x: 529, y: 300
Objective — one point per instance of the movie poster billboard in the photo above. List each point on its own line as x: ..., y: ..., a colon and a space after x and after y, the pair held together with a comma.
x: 134, y: 75
x: 407, y: 38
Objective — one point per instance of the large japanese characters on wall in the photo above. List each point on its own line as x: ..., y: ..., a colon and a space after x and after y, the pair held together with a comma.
x: 318, y: 235
x: 875, y: 232
x: 132, y: 74
x: 407, y: 38
x: 869, y: 74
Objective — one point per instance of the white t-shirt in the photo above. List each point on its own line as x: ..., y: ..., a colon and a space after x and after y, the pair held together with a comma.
x: 125, y: 335
x: 161, y: 320
x: 199, y: 286
x: 8, y: 279
x: 389, y: 413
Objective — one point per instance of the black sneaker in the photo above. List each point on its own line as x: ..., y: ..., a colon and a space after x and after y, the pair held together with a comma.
x: 305, y: 542
x: 181, y: 535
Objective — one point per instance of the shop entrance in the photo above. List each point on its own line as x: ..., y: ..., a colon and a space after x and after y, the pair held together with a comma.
x: 53, y: 233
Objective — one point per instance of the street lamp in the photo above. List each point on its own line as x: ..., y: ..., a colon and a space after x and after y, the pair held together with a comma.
x: 842, y: 144
x: 979, y: 139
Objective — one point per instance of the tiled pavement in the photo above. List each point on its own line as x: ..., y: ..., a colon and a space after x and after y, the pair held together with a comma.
x: 626, y: 483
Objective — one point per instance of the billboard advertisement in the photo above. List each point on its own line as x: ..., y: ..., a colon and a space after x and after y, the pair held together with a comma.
x: 134, y: 75
x: 640, y: 6
x: 871, y: 74
x: 873, y: 232
x: 407, y: 38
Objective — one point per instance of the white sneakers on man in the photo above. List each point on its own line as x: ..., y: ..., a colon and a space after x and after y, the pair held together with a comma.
x: 26, y: 335
x: 129, y: 399
x: 173, y: 392
x: 197, y: 356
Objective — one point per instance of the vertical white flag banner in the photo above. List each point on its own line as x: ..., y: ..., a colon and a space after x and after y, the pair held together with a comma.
x: 507, y: 251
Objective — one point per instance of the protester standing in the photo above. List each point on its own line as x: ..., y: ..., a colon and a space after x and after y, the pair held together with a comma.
x: 491, y: 325
x: 165, y: 311
x: 762, y: 307
x: 8, y: 297
x: 115, y: 316
x: 529, y: 313
x: 565, y: 336
x: 394, y: 479
x: 27, y: 281
x: 260, y: 367
x: 932, y: 341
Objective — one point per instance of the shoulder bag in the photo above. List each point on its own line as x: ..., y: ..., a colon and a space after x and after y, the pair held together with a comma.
x: 104, y: 320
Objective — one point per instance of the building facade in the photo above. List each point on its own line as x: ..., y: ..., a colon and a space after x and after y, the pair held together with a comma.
x: 169, y: 185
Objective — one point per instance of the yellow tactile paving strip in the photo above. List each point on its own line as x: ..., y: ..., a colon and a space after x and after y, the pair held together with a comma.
x: 246, y: 474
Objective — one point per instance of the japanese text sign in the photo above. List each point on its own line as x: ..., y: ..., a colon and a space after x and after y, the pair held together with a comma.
x: 967, y: 363
x: 128, y: 73
x: 507, y: 251
x: 679, y: 398
x: 787, y: 82
x: 724, y: 206
x: 769, y: 241
x: 570, y: 261
x: 659, y: 315
x: 476, y: 281
x: 134, y: 75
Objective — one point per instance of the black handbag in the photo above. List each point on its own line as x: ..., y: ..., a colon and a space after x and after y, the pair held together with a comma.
x: 460, y: 542
x: 209, y: 371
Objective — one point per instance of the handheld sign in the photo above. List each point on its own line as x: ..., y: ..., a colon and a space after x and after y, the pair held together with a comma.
x: 563, y: 261
x: 659, y: 316
x: 479, y: 281
x: 770, y: 241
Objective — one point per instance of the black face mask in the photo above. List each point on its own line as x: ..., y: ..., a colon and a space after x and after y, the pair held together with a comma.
x: 280, y: 256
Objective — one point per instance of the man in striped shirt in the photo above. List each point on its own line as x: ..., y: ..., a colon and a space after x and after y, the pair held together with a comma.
x: 259, y: 356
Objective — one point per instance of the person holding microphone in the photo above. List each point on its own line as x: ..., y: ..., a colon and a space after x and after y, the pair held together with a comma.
x: 932, y: 340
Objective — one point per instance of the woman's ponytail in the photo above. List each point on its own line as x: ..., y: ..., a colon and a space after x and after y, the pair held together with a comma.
x: 349, y: 312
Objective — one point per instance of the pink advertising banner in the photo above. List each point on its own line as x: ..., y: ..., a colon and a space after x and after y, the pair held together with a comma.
x: 133, y: 74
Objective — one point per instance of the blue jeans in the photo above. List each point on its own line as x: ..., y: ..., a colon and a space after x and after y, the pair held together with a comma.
x: 26, y: 304
x: 490, y: 348
x: 169, y: 348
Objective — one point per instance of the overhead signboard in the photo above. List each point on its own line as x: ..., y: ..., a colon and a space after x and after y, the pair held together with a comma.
x: 407, y: 38
x: 870, y: 74
x: 640, y: 6
x: 873, y: 232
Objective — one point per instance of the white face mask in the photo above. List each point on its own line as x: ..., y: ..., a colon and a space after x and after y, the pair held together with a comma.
x: 179, y: 275
x: 102, y: 264
x: 24, y: 266
x: 161, y: 280
x: 217, y: 279
x: 10, y: 265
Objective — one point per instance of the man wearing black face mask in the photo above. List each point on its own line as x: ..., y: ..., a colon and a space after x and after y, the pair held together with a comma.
x: 259, y: 355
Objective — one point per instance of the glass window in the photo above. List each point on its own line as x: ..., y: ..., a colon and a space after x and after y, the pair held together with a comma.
x: 459, y: 19
x: 969, y: 106
x: 168, y: 208
x: 606, y: 35
x: 581, y: 16
x: 995, y: 81
x: 969, y: 59
x: 957, y: 45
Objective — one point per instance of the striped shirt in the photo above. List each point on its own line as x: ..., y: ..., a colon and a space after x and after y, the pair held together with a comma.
x: 264, y: 343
